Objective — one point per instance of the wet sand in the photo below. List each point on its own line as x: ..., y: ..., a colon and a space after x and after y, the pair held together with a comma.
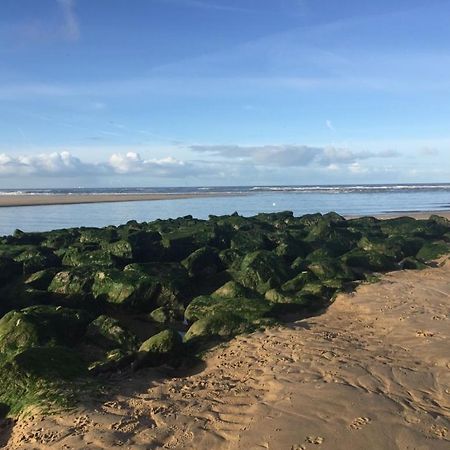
x: 39, y: 200
x: 371, y: 372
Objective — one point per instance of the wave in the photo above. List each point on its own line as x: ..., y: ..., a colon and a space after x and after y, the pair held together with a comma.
x: 325, y: 189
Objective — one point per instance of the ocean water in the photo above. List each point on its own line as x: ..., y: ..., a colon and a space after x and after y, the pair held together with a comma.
x: 247, y: 201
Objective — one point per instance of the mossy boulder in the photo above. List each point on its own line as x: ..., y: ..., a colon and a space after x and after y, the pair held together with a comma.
x: 222, y: 325
x: 203, y: 262
x: 130, y: 289
x: 113, y: 360
x: 261, y: 271
x: 167, y: 314
x: 206, y: 305
x: 49, y: 362
x: 163, y: 347
x: 172, y: 279
x: 41, y: 279
x: 369, y: 260
x: 433, y: 250
x: 79, y: 256
x: 41, y: 325
x: 108, y: 334
x: 231, y: 289
x: 73, y: 282
x: 38, y: 259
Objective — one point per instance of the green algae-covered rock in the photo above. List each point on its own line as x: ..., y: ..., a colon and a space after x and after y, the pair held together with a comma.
x: 433, y: 250
x: 130, y: 289
x: 41, y: 279
x: 172, y: 279
x: 203, y: 262
x: 81, y: 256
x: 163, y: 347
x: 100, y: 235
x: 76, y: 281
x: 107, y: 333
x: 225, y: 275
x: 371, y: 260
x: 115, y: 359
x: 49, y: 362
x: 123, y: 250
x: 38, y: 259
x: 167, y: 314
x: 206, y: 305
x: 262, y: 270
x: 231, y: 289
x: 41, y: 325
x: 223, y: 324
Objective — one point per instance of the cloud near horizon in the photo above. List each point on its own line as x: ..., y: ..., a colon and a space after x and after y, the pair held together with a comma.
x: 224, y: 161
x: 291, y: 155
x: 64, y: 164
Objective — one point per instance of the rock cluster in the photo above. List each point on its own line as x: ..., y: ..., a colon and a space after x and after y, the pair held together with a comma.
x: 75, y: 303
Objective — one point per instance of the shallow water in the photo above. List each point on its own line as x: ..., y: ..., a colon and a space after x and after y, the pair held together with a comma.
x: 344, y: 200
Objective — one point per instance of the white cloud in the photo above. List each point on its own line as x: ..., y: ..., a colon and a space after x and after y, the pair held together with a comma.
x: 62, y: 164
x: 65, y: 164
x: 329, y: 125
x: 291, y: 155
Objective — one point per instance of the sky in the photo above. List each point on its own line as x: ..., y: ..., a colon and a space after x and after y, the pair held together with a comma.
x: 111, y: 93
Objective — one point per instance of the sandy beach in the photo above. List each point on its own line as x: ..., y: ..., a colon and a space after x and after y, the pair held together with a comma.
x: 372, y: 371
x: 39, y: 200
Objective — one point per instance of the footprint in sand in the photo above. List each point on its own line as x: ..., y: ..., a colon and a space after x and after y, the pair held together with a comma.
x: 359, y: 423
x: 317, y: 440
x: 422, y: 333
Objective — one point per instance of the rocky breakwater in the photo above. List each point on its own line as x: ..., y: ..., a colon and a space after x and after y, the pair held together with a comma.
x: 77, y: 304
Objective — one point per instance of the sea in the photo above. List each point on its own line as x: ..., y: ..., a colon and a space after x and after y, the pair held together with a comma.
x: 347, y: 200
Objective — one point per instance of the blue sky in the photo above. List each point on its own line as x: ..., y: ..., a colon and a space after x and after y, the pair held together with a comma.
x: 200, y: 92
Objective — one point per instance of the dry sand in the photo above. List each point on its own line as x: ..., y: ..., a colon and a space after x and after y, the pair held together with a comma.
x: 372, y: 372
x: 39, y: 200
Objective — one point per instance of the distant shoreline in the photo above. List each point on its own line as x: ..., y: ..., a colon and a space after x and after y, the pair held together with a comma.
x: 74, y: 199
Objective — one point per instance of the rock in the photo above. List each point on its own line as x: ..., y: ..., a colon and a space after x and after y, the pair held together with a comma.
x: 107, y: 333
x: 41, y: 325
x: 411, y: 263
x: 433, y: 250
x: 163, y: 347
x: 207, y: 305
x: 130, y: 289
x: 167, y: 314
x: 369, y: 260
x: 98, y: 235
x: 38, y: 259
x: 262, y: 270
x: 231, y: 289
x: 76, y: 282
x: 223, y: 324
x: 114, y: 360
x: 80, y: 256
x: 203, y: 262
x: 50, y: 362
x: 41, y: 279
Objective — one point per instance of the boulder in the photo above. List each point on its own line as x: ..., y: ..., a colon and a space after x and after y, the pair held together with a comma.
x: 207, y: 305
x: 433, y: 250
x: 222, y: 325
x: 163, y: 347
x: 203, y: 262
x: 130, y: 289
x: 107, y: 333
x: 41, y: 325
